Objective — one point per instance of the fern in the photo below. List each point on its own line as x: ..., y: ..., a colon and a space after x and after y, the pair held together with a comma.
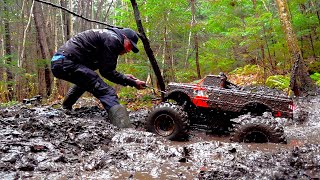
x: 186, y: 75
x: 247, y: 69
x: 278, y: 81
x: 316, y: 77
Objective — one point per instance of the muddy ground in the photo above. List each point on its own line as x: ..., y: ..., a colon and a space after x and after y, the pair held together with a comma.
x: 44, y: 142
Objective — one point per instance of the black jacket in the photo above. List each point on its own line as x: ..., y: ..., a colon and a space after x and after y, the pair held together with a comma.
x: 98, y: 49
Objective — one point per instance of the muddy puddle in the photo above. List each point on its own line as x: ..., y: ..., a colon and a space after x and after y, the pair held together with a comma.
x: 44, y: 142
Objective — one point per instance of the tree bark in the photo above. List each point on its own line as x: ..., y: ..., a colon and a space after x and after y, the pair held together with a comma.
x: 300, y: 82
x: 168, y: 74
x: 66, y: 20
x: 269, y: 58
x: 98, y: 12
x: 44, y: 49
x: 196, y: 45
x: 147, y: 47
x: 25, y: 36
x: 108, y: 12
x: 8, y: 53
x: 195, y: 36
x: 87, y: 9
x: 1, y: 54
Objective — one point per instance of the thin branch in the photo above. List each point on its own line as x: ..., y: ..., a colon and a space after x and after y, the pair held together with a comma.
x: 75, y: 14
x: 107, y: 14
x: 24, y: 35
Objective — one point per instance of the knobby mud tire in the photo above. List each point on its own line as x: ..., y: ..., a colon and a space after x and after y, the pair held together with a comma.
x: 258, y: 130
x: 168, y: 120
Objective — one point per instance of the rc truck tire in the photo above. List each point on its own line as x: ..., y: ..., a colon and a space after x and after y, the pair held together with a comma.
x: 258, y: 129
x: 168, y: 120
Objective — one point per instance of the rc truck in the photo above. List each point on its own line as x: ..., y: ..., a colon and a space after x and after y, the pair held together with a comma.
x: 213, y: 103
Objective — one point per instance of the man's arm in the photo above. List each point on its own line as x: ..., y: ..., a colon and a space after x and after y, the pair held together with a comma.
x: 116, y: 77
x: 124, y: 80
x: 112, y: 48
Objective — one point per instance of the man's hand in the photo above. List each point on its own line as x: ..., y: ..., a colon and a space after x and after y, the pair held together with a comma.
x: 140, y: 84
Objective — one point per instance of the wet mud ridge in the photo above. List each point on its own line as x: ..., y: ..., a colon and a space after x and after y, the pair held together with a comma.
x: 42, y: 142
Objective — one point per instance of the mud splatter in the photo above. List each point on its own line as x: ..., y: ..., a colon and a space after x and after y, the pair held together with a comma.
x: 42, y: 142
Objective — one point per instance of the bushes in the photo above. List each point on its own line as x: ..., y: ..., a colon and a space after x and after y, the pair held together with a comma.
x: 247, y: 75
x: 278, y: 81
x: 316, y: 77
x: 135, y: 99
x: 314, y: 67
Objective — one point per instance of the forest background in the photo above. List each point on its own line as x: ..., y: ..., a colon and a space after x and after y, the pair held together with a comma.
x: 189, y: 38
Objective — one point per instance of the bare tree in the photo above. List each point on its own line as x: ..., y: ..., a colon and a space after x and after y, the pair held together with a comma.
x: 66, y: 20
x: 98, y: 12
x: 1, y: 54
x: 24, y: 37
x: 195, y: 36
x: 168, y: 74
x: 44, y: 48
x: 147, y: 46
x: 300, y: 83
x: 8, y: 53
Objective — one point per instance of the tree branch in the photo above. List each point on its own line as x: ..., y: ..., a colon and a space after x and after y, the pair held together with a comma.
x: 75, y: 14
x: 147, y: 47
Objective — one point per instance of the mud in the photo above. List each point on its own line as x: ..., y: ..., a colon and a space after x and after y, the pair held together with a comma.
x: 44, y: 142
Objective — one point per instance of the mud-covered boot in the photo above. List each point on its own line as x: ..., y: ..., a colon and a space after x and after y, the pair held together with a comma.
x: 119, y: 116
x: 71, y: 97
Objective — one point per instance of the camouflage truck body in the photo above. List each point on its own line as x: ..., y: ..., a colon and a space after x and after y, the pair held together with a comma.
x: 210, y: 94
x: 216, y: 105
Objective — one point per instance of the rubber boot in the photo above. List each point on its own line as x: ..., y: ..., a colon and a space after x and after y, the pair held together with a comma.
x: 119, y: 116
x: 71, y: 97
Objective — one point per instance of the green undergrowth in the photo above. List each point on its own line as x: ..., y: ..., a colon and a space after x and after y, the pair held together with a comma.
x: 8, y: 104
x: 316, y: 78
x: 279, y: 82
x: 138, y: 99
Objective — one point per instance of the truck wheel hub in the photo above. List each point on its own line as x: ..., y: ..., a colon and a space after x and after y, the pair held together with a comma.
x: 164, y: 125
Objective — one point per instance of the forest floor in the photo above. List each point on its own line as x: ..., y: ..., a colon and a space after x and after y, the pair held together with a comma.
x: 43, y: 142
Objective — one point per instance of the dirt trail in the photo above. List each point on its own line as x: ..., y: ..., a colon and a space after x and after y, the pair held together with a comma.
x: 42, y: 142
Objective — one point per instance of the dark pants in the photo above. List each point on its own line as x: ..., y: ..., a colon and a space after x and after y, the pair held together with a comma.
x: 84, y: 79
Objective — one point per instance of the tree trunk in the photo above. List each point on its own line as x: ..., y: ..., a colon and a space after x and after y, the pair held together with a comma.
x: 196, y: 44
x: 312, y: 46
x: 60, y: 87
x: 254, y: 3
x: 1, y: 54
x: 105, y: 19
x: 195, y: 36
x: 300, y: 82
x: 81, y: 10
x: 24, y: 37
x: 186, y: 63
x: 147, y: 47
x: 66, y: 20
x: 98, y: 12
x: 8, y: 53
x: 44, y: 49
x: 268, y: 50
x: 164, y: 64
x: 167, y: 63
x: 87, y: 13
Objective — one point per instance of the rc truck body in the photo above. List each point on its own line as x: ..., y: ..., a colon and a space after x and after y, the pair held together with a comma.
x: 212, y: 103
